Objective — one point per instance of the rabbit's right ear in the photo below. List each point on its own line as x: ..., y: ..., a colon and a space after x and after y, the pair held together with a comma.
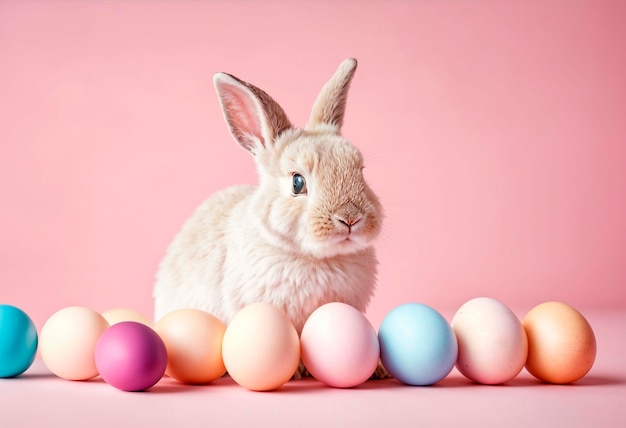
x: 330, y: 105
x: 253, y: 117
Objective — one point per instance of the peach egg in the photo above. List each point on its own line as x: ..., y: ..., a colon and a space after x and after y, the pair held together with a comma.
x: 193, y: 339
x: 561, y: 343
x: 67, y: 342
x: 261, y: 348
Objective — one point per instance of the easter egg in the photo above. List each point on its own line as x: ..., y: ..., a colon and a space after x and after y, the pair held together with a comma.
x: 417, y: 345
x: 67, y: 342
x: 261, y: 348
x: 115, y: 316
x: 18, y: 341
x: 561, y: 343
x: 193, y: 339
x: 131, y: 356
x: 492, y: 341
x: 339, y: 346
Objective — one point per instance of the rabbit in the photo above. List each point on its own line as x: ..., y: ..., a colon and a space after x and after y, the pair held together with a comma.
x: 302, y: 238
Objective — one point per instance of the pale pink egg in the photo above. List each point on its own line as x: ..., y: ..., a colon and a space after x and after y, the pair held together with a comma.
x: 492, y: 342
x: 68, y: 340
x: 261, y: 348
x: 193, y: 339
x: 339, y: 346
x: 115, y: 316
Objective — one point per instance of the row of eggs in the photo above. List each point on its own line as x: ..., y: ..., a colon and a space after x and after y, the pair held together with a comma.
x: 261, y: 350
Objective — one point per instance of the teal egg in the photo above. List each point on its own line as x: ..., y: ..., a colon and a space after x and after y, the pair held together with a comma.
x: 18, y: 341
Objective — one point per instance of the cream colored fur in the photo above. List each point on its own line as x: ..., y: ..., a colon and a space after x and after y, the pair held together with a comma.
x: 266, y: 244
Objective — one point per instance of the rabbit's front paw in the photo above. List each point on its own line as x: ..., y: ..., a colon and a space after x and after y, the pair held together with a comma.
x: 380, y: 373
x: 301, y: 373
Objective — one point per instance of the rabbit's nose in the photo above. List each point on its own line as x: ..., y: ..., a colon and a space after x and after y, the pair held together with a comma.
x: 348, y: 215
x: 348, y: 221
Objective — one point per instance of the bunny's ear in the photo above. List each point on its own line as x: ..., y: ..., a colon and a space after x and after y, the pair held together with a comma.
x: 330, y: 104
x: 253, y: 117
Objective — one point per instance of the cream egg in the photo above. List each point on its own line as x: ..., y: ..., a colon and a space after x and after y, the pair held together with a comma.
x: 115, y: 316
x: 67, y: 342
x: 491, y: 340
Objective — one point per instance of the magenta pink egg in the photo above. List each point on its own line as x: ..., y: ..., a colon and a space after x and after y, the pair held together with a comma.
x: 131, y: 356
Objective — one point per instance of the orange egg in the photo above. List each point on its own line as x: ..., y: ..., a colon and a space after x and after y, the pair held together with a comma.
x: 561, y: 343
x: 193, y: 339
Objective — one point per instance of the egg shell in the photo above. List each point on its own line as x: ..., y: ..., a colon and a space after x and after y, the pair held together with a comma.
x: 18, y: 341
x: 561, y: 343
x: 261, y: 348
x: 193, y: 339
x: 339, y: 346
x: 131, y: 356
x: 67, y: 342
x: 417, y: 345
x: 115, y: 316
x: 492, y: 342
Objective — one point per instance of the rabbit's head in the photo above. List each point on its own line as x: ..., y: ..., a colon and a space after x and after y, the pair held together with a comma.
x: 312, y: 197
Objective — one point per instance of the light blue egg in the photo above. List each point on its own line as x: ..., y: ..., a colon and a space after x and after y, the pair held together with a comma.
x: 18, y: 341
x: 417, y: 344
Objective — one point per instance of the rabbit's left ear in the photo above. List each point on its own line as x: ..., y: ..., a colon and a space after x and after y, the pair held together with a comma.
x: 330, y: 105
x: 253, y: 117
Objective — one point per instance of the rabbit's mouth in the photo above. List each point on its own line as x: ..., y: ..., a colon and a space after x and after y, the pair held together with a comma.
x: 350, y: 238
x: 340, y: 242
x: 351, y: 234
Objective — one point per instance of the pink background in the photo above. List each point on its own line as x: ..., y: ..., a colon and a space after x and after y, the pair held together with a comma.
x: 493, y: 131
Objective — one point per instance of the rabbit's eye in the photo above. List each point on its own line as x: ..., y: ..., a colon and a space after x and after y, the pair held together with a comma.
x: 298, y: 184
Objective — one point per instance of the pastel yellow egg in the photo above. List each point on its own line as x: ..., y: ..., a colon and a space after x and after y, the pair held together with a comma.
x: 67, y: 342
x: 115, y: 316
x: 193, y: 339
x: 561, y: 343
x: 261, y: 348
